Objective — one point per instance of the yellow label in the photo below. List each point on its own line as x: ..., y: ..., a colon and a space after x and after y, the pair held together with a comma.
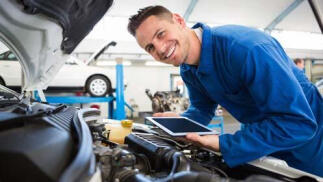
x: 126, y: 123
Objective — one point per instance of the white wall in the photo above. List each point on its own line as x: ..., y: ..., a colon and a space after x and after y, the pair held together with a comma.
x: 131, y: 50
x: 139, y: 78
x: 304, y: 53
x: 3, y: 47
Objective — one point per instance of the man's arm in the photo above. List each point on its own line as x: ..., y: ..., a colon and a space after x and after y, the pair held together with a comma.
x: 166, y: 114
x: 201, y: 107
x: 289, y: 120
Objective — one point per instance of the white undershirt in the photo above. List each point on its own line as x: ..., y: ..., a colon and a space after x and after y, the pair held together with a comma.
x: 198, y: 32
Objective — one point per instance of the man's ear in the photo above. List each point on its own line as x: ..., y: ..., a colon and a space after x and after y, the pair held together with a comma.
x: 178, y: 19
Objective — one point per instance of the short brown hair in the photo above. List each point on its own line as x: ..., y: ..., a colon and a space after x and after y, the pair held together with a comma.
x: 142, y: 14
x: 298, y: 60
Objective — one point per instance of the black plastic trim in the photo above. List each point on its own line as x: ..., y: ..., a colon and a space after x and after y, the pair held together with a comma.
x: 83, y: 165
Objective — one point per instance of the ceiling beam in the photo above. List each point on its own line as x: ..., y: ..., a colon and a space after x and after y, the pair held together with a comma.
x: 282, y: 15
x: 316, y: 14
x: 189, y: 9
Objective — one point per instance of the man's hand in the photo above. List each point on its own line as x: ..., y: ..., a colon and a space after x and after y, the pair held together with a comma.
x: 207, y: 141
x: 166, y: 114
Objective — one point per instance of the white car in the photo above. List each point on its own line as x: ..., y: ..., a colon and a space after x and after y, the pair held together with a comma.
x: 74, y: 75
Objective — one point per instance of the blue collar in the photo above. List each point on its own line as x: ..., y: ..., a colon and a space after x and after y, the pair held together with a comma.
x: 205, y: 64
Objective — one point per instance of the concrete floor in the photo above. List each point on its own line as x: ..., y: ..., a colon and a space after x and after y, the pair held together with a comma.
x: 231, y: 125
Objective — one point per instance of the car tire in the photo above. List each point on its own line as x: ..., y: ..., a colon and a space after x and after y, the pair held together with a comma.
x: 98, y: 86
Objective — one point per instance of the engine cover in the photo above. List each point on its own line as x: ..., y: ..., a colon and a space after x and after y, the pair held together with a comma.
x: 36, y: 147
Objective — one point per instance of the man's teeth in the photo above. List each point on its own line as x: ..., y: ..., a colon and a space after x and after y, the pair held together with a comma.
x: 170, y: 52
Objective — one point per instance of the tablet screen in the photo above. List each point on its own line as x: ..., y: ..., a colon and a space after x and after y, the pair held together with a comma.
x: 180, y: 125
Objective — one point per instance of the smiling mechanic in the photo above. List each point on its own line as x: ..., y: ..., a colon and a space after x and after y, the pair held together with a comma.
x: 247, y: 72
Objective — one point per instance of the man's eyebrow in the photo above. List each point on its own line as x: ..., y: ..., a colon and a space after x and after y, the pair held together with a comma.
x: 146, y: 47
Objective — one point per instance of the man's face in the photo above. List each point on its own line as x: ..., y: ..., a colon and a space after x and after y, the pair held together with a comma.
x: 164, y: 39
x: 300, y: 65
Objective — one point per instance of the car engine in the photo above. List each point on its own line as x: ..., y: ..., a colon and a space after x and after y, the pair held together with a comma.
x: 163, y: 101
x: 43, y: 142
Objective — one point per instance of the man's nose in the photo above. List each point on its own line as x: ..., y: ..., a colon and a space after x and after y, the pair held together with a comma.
x: 161, y: 49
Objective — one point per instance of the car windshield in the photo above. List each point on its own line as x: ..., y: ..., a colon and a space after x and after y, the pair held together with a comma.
x: 8, y: 97
x: 8, y: 55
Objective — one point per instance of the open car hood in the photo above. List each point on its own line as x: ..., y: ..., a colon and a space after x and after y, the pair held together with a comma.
x: 42, y: 33
x: 100, y: 51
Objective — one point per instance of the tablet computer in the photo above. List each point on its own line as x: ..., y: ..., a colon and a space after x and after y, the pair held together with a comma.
x: 180, y: 126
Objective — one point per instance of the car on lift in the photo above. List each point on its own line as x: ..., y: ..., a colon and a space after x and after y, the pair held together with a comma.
x: 75, y: 75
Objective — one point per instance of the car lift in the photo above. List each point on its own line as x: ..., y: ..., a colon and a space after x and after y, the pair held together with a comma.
x: 218, y: 125
x: 119, y: 113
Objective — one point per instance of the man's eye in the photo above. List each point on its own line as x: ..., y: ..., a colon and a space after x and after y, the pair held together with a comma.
x: 160, y: 34
x: 150, y: 48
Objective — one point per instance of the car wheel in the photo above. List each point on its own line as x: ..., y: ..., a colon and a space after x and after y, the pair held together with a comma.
x: 98, y: 86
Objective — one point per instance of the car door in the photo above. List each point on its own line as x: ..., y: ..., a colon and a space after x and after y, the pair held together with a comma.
x: 10, y: 69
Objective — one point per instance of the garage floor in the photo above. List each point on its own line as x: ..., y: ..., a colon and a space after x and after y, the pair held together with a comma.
x: 231, y: 125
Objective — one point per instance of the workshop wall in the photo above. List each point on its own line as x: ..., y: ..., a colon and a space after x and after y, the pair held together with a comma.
x: 139, y: 78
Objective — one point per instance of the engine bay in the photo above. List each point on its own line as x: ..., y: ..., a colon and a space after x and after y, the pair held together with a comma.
x: 43, y: 142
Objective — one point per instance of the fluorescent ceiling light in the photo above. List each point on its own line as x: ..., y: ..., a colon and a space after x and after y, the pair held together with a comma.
x: 299, y: 40
x: 126, y: 63
x: 112, y: 63
x: 155, y: 63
